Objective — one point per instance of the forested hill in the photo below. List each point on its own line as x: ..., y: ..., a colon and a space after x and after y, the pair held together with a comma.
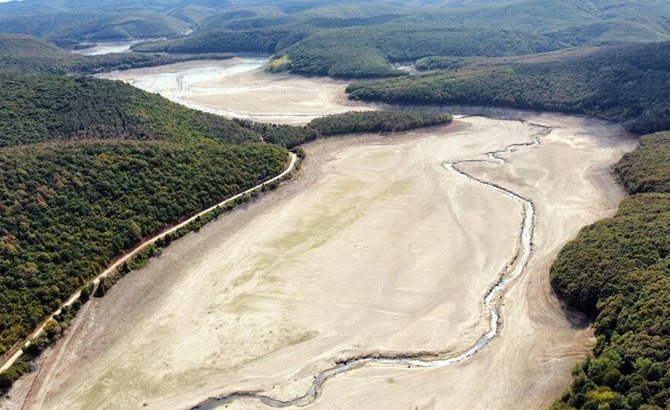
x: 36, y: 108
x: 28, y: 54
x: 69, y: 209
x: 628, y: 84
x: 70, y: 202
x: 357, y: 52
x: 364, y: 39
x: 618, y: 270
x: 104, y: 20
x: 90, y: 167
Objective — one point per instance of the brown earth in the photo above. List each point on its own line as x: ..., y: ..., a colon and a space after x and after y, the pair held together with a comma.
x: 375, y: 247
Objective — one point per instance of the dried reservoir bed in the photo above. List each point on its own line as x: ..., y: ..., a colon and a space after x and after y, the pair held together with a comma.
x: 374, y: 247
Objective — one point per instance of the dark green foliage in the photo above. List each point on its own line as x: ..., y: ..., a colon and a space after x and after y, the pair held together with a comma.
x: 141, y: 259
x: 593, y: 267
x: 284, y: 135
x: 618, y: 270
x: 347, y: 123
x: 646, y: 168
x: 18, y: 369
x: 607, y: 33
x: 442, y: 63
x: 368, y: 52
x: 39, y: 108
x: 27, y: 54
x: 53, y: 331
x: 361, y: 39
x: 69, y: 209
x: 95, y: 20
x: 105, y: 26
x: 126, y: 61
x: 626, y: 84
x: 227, y: 41
x: 377, y: 121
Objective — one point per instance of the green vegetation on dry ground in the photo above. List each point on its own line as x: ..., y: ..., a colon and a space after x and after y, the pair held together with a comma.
x: 27, y: 54
x: 628, y: 84
x: 360, y: 39
x: 347, y: 123
x: 85, y: 20
x: 377, y: 121
x: 618, y: 271
x: 647, y: 169
x: 38, y: 108
x: 90, y: 167
x: 69, y: 208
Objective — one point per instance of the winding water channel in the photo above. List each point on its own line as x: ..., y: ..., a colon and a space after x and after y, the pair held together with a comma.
x: 519, y: 262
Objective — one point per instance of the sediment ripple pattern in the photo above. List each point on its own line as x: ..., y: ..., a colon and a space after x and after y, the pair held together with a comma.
x: 422, y: 359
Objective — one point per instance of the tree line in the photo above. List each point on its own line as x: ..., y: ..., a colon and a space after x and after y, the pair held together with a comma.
x: 90, y: 167
x: 69, y: 209
x: 39, y: 108
x: 627, y: 84
x: 618, y: 271
x: 352, y: 122
x: 26, y: 54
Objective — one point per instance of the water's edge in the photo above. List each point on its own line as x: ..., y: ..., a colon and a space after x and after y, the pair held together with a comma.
x: 422, y: 359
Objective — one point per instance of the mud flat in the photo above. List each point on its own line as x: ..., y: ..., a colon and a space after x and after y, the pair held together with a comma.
x: 374, y: 248
x: 106, y: 48
x: 240, y: 88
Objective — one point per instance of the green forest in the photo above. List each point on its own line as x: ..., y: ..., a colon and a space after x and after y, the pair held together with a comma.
x: 28, y: 54
x: 69, y: 209
x: 365, y: 39
x: 618, y: 271
x: 36, y: 108
x: 377, y: 121
x: 352, y: 122
x: 627, y: 84
x: 368, y: 52
x: 357, y: 52
x: 90, y: 167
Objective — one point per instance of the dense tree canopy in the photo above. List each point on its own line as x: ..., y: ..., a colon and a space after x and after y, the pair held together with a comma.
x: 43, y: 108
x: 618, y: 270
x: 27, y: 54
x: 362, y: 39
x: 352, y: 122
x: 646, y: 168
x: 377, y: 121
x: 69, y: 209
x: 626, y: 84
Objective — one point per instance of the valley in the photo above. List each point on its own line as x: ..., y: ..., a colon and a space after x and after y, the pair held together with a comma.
x: 375, y: 248
x: 239, y: 88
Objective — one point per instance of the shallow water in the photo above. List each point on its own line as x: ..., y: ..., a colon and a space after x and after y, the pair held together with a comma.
x: 188, y: 81
x: 107, y: 48
x: 412, y: 360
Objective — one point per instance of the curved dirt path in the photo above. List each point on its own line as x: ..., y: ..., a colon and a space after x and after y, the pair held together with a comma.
x: 346, y: 267
x: 112, y: 268
x: 410, y: 359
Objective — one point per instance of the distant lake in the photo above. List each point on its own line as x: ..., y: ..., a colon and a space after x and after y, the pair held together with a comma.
x: 107, y: 48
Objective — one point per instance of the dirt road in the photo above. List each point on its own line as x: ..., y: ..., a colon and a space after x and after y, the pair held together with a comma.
x: 375, y: 248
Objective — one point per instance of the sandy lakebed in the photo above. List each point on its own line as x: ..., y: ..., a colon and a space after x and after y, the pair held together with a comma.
x: 373, y: 248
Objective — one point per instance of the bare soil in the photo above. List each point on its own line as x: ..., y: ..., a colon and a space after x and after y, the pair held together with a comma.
x: 375, y: 247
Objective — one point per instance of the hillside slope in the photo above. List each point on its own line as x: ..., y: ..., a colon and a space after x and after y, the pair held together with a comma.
x: 37, y: 108
x: 618, y: 271
x: 69, y: 209
x: 28, y: 54
x: 627, y: 84
x: 362, y: 40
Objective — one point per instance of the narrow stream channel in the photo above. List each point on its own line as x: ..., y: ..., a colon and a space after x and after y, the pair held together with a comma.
x: 420, y: 360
